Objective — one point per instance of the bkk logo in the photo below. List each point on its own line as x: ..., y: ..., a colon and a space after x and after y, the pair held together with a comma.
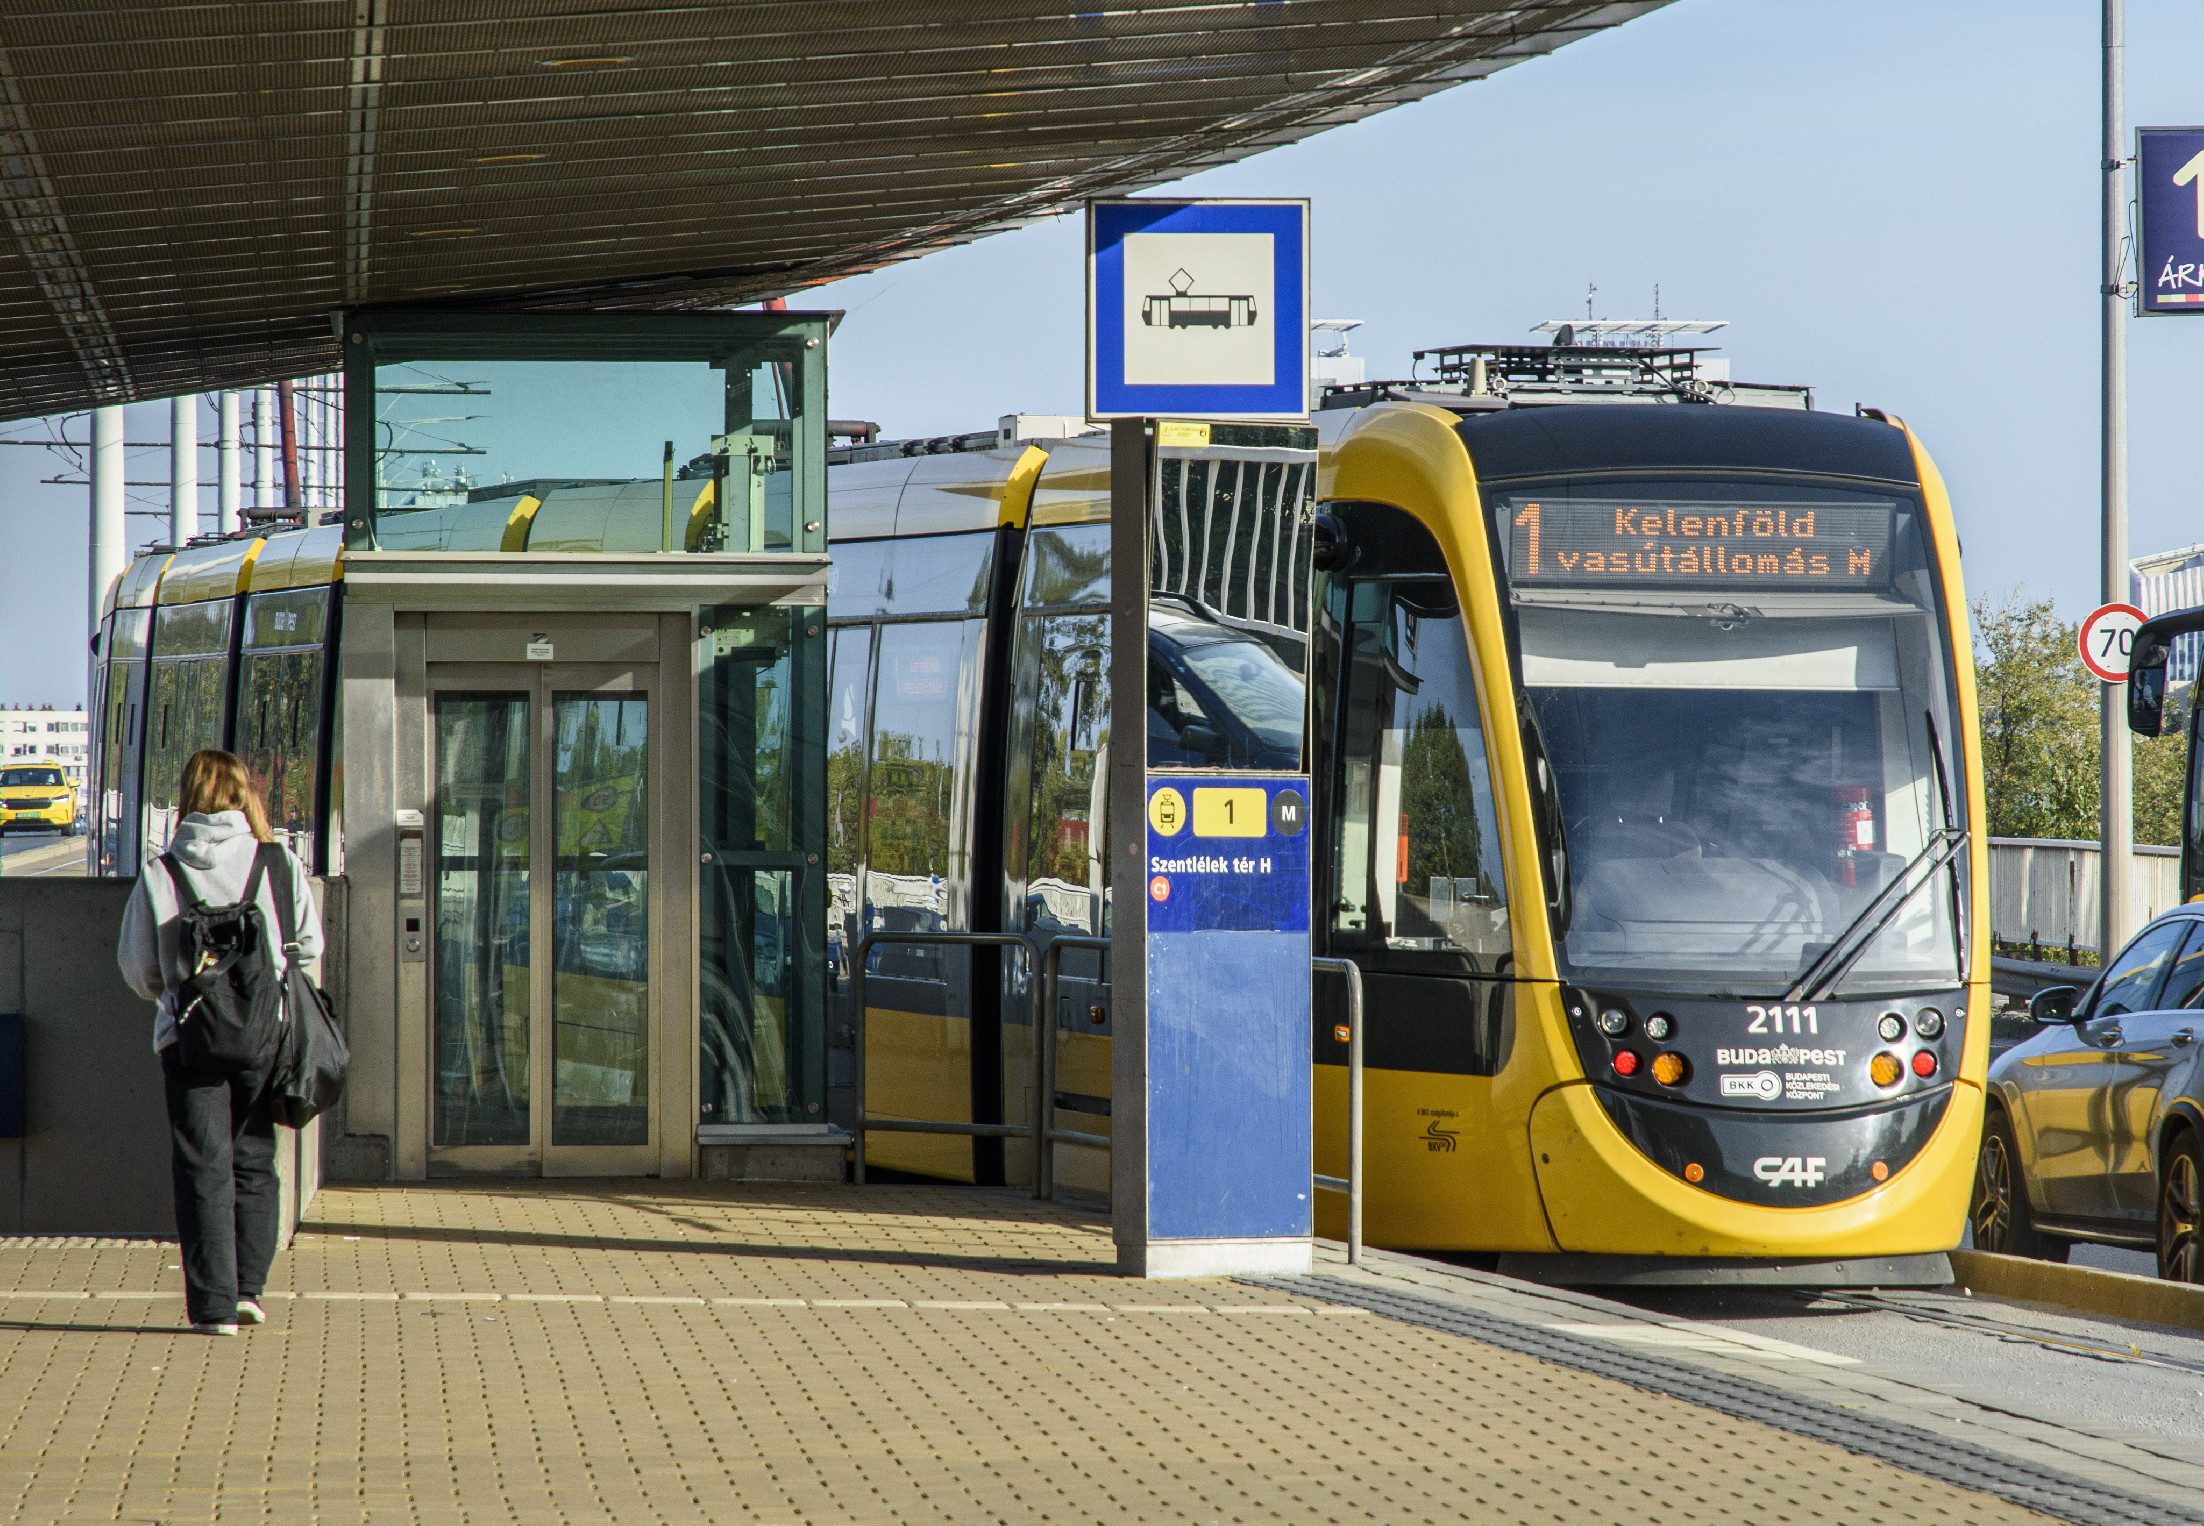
x: 1763, y: 1084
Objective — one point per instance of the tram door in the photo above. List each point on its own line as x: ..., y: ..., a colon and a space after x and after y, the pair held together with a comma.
x: 542, y: 903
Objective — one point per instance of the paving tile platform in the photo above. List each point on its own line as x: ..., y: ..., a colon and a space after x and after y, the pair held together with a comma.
x: 590, y: 1352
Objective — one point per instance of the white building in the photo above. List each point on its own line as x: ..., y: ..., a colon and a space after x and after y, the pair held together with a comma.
x: 47, y: 735
x: 2165, y: 581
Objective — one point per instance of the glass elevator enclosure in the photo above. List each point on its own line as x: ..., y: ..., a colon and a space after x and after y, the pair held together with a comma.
x: 582, y: 718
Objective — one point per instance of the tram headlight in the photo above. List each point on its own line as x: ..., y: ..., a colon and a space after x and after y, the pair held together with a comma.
x: 1659, y: 1026
x: 1671, y: 1068
x: 1614, y: 1023
x: 1924, y: 1062
x: 1892, y: 1027
x: 1626, y: 1063
x: 1884, y: 1069
x: 1928, y: 1022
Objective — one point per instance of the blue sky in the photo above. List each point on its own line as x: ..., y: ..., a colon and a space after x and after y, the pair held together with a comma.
x: 1894, y: 203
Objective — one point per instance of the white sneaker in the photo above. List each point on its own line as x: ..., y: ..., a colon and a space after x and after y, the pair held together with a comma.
x: 214, y: 1329
x: 250, y: 1312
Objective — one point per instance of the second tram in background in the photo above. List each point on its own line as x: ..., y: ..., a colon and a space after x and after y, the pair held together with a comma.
x: 1645, y: 769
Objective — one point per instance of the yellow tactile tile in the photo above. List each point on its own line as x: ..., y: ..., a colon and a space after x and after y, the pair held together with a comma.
x: 584, y: 1353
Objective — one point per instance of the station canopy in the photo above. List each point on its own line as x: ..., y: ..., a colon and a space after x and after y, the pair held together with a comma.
x: 192, y: 190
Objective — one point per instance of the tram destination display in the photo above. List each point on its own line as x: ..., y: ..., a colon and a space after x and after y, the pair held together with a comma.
x: 1578, y: 541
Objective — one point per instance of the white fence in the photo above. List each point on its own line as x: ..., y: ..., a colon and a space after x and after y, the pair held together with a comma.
x: 2044, y: 890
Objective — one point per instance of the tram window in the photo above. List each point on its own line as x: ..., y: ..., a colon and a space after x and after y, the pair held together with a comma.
x: 1743, y: 765
x: 918, y: 797
x: 849, y: 714
x: 1066, y: 858
x: 1070, y: 566
x: 1417, y: 846
x: 190, y: 696
x: 292, y: 617
x: 933, y: 574
x: 279, y: 738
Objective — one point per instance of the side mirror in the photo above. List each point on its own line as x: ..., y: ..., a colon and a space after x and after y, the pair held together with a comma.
x: 1194, y: 736
x: 2146, y: 693
x: 2054, y: 1004
x: 1334, y: 552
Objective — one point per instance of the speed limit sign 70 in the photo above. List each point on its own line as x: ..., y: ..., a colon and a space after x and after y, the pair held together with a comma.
x: 2106, y: 638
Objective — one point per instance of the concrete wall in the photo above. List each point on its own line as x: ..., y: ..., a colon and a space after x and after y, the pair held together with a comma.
x: 94, y: 1156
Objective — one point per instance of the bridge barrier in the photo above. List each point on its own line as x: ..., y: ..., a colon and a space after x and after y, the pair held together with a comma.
x: 2043, y: 891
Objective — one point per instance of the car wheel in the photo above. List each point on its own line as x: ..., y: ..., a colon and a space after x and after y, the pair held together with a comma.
x: 2180, y: 1198
x: 1999, y: 1212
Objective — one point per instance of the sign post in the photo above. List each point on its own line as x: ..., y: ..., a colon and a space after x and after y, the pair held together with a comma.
x: 1198, y: 310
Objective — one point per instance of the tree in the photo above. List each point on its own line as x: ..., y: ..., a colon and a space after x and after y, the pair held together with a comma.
x: 2040, y: 740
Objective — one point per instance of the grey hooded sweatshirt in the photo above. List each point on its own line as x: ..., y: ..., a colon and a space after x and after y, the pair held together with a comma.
x: 217, y: 854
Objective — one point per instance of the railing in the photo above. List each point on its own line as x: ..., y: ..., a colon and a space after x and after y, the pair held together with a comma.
x: 913, y: 1125
x: 2043, y: 892
x: 1352, y: 1184
x: 1046, y: 1136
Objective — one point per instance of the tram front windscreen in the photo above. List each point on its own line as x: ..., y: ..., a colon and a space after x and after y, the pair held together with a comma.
x: 1744, y: 693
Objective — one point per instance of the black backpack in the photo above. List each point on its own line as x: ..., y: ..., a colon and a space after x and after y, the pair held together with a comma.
x: 312, y: 1063
x: 229, y: 1010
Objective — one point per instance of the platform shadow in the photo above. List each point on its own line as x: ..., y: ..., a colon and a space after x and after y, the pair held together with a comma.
x: 1021, y: 1266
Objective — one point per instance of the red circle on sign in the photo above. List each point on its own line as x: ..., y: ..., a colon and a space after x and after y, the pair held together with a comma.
x: 2105, y: 638
x: 1159, y: 889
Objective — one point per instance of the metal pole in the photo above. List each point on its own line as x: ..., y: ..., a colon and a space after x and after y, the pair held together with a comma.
x: 264, y: 449
x: 665, y: 538
x: 183, y: 469
x: 857, y: 1048
x: 2115, y: 822
x: 108, y: 524
x: 228, y: 505
x: 1353, y: 972
x: 287, y: 424
x: 1354, y: 1114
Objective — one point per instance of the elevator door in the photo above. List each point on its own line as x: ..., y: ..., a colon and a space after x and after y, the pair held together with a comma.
x: 542, y: 1007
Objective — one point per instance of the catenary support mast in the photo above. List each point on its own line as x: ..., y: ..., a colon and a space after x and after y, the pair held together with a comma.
x: 2116, y: 824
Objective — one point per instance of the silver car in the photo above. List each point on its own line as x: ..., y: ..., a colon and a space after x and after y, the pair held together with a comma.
x: 2095, y: 1126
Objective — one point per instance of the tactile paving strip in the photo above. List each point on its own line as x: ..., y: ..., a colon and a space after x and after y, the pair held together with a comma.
x: 590, y: 1353
x: 1905, y: 1446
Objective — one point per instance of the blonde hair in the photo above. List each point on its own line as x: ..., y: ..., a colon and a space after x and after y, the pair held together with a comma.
x: 216, y: 781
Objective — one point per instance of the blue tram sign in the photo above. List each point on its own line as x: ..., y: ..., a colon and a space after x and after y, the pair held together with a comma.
x: 2170, y: 165
x: 1198, y: 309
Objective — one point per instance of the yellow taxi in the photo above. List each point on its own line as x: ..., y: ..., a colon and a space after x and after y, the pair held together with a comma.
x: 37, y: 795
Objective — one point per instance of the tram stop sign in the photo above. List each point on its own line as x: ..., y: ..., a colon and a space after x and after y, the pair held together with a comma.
x: 2107, y: 636
x: 1198, y: 309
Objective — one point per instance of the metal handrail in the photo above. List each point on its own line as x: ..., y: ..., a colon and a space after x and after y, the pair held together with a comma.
x: 1048, y: 1136
x: 857, y: 1002
x: 1352, y: 1185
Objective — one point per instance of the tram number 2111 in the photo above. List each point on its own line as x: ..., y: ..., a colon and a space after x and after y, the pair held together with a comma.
x: 1774, y: 1020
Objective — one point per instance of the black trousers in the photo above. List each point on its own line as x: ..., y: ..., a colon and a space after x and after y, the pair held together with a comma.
x: 228, y: 1204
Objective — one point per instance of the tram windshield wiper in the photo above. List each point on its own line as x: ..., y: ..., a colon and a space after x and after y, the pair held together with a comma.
x: 1815, y: 982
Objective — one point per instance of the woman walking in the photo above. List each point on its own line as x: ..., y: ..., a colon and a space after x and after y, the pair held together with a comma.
x: 220, y: 1116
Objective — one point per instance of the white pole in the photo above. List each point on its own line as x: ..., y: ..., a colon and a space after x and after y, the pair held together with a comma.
x: 183, y: 469
x: 267, y: 491
x: 229, y: 520
x: 2115, y: 823
x: 108, y: 523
